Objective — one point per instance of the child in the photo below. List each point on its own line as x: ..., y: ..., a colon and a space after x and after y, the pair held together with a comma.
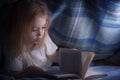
x: 29, y: 48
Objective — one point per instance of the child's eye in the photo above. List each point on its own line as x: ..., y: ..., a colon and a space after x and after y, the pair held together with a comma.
x: 43, y: 27
x: 34, y: 29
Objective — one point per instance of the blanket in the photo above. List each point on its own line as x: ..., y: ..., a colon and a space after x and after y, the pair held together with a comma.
x: 92, y: 25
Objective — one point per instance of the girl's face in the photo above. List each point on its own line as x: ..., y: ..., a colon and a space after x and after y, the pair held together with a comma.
x: 38, y: 30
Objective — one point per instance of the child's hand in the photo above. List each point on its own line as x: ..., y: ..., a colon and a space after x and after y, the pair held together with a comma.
x: 33, y: 71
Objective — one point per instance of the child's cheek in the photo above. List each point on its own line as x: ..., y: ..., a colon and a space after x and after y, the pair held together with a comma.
x: 34, y: 36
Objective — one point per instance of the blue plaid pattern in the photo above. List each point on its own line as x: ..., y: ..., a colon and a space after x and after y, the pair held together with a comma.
x: 92, y: 25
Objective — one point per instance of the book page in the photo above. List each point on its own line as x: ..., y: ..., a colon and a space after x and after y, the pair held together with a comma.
x: 87, y: 57
x: 93, y: 74
x: 55, y: 71
x: 67, y: 76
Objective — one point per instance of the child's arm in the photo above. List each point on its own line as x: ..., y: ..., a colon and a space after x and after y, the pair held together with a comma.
x: 54, y: 57
x: 31, y: 72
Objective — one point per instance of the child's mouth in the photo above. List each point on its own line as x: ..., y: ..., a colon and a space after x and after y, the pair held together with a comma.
x: 38, y: 40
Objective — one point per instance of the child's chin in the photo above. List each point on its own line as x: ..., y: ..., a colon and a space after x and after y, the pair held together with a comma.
x: 37, y: 42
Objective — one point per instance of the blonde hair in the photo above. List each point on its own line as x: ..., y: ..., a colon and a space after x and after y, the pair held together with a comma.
x: 21, y: 18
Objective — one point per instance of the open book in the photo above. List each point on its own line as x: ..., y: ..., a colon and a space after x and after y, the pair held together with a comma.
x: 74, y: 64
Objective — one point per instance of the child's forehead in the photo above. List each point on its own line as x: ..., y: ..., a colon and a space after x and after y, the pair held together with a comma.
x: 40, y: 21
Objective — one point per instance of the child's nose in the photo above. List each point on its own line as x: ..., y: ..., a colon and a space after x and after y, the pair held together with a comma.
x: 38, y: 34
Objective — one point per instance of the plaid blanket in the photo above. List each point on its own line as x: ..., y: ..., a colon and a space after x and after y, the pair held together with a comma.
x: 92, y: 25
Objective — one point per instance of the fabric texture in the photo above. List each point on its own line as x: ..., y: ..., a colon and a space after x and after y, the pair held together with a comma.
x: 38, y: 58
x: 92, y: 25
